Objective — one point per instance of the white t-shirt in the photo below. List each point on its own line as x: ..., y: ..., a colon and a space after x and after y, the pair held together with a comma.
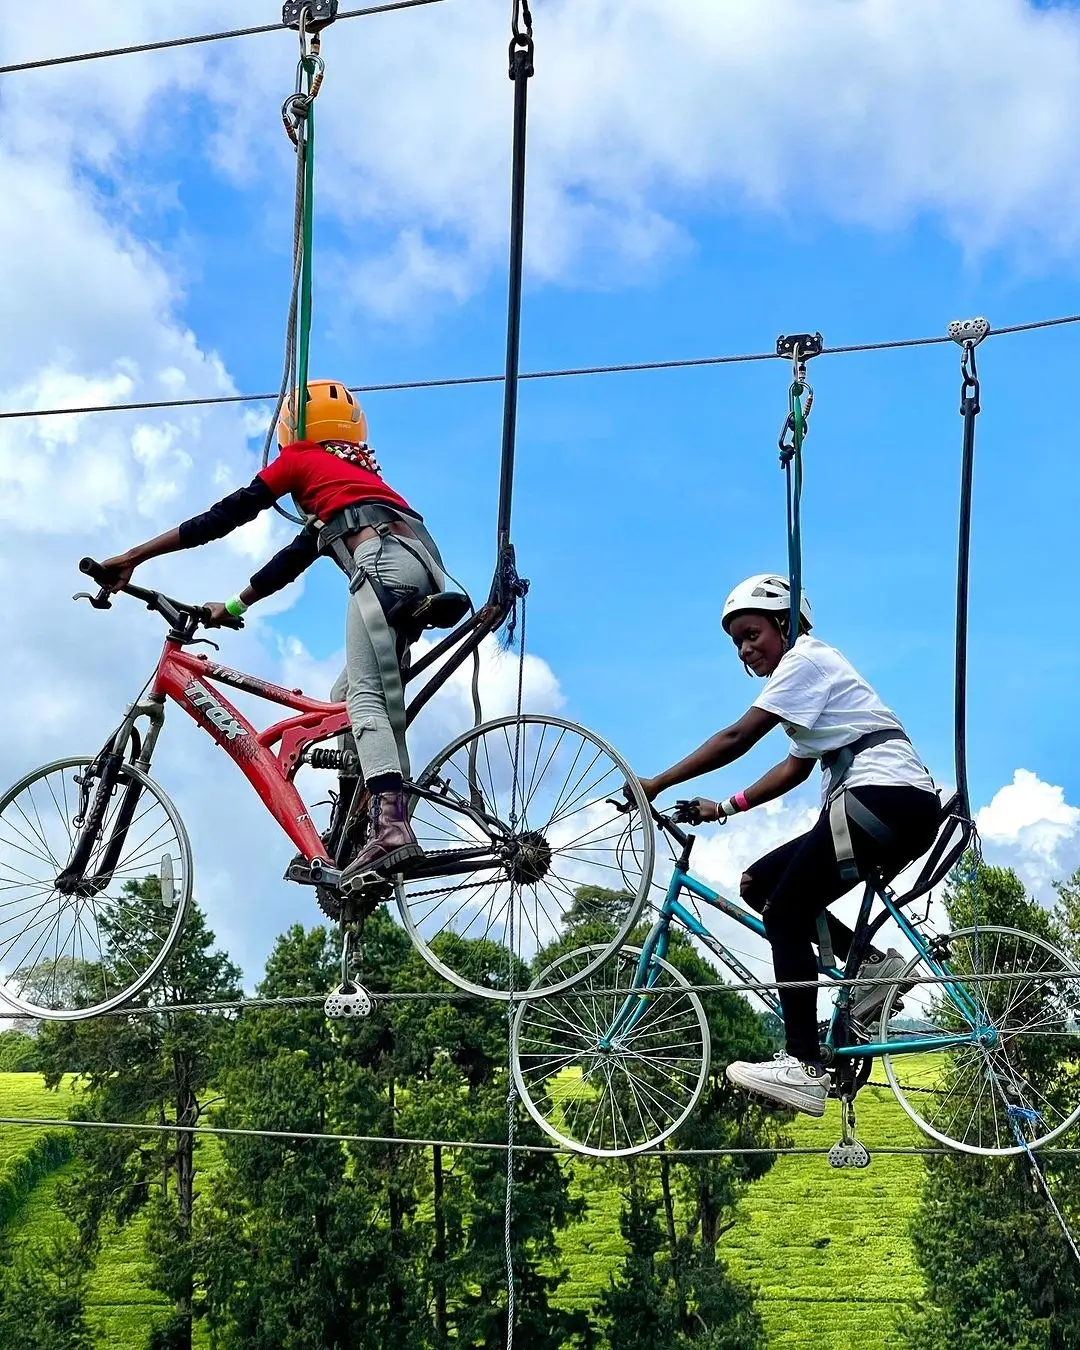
x: 824, y: 704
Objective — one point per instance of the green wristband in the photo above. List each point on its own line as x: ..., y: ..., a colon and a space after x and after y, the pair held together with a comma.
x: 235, y: 607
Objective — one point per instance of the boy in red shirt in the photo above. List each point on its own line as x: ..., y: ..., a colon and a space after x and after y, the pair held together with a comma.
x: 335, y: 481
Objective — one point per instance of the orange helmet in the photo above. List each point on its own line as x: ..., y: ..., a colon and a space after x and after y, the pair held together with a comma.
x: 333, y: 414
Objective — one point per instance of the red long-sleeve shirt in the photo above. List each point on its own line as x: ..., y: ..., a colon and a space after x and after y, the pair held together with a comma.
x: 322, y: 483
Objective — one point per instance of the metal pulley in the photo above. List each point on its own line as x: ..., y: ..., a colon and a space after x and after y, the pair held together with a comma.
x: 320, y: 14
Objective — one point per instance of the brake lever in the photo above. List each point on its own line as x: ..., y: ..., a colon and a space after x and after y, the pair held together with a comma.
x: 202, y: 642
x: 623, y: 807
x: 99, y: 601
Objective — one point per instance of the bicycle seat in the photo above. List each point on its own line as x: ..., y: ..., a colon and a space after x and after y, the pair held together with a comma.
x: 445, y: 610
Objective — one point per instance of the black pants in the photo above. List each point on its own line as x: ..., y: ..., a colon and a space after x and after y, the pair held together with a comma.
x: 791, y: 886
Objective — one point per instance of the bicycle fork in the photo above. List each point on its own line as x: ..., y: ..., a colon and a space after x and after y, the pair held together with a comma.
x: 634, y: 1005
x: 107, y: 768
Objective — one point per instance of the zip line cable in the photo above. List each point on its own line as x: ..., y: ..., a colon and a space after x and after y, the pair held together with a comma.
x: 462, y: 381
x: 141, y: 1127
x: 167, y: 44
x: 464, y: 996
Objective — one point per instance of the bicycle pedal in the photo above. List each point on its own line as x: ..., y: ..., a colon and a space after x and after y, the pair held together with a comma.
x: 365, y: 883
x: 315, y: 873
x: 348, y: 1003
x: 849, y: 1154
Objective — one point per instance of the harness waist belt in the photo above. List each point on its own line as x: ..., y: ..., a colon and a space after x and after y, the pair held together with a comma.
x: 354, y: 518
x: 836, y: 763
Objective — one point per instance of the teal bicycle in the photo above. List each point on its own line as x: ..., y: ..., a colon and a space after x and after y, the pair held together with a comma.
x: 615, y: 1064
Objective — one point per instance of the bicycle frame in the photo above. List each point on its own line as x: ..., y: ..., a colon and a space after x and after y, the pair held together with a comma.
x: 187, y: 680
x: 268, y: 759
x: 656, y: 946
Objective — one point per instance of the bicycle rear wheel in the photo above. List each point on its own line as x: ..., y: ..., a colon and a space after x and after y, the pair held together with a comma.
x: 533, y: 796
x: 601, y: 1071
x: 95, y: 884
x: 1014, y: 1086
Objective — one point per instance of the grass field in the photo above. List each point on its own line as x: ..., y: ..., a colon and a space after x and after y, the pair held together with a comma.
x: 120, y: 1307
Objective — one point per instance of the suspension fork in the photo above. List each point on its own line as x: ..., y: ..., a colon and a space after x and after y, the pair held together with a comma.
x: 126, y: 745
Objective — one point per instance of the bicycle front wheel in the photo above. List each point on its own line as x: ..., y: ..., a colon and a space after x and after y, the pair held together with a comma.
x: 95, y: 884
x: 603, y: 1069
x: 1012, y: 1086
x: 536, y: 798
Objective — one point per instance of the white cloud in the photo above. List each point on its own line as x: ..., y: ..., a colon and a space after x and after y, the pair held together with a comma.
x: 966, y: 112
x: 1028, y: 825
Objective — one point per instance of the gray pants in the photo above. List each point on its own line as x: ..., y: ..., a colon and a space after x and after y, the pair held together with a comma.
x: 360, y: 683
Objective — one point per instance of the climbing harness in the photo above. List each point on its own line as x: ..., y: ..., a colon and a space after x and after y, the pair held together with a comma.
x: 798, y: 348
x: 843, y: 808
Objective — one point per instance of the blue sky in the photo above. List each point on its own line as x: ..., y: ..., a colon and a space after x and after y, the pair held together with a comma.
x: 882, y: 211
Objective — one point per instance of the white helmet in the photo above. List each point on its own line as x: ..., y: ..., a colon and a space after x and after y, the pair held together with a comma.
x: 765, y: 594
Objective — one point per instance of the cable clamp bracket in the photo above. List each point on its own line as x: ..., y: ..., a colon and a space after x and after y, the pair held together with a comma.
x: 969, y: 332
x: 309, y: 16
x: 849, y: 1152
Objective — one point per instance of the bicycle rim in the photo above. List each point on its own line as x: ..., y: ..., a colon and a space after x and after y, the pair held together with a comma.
x: 1013, y: 1090
x: 566, y: 837
x: 611, y: 1096
x: 71, y: 954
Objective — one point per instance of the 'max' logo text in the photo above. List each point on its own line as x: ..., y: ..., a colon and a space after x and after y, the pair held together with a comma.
x: 213, y: 711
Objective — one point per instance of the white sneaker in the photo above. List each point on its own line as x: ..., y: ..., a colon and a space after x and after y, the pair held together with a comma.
x: 784, y: 1079
x: 868, y: 1000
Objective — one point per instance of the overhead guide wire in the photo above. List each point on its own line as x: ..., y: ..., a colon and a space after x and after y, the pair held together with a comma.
x: 168, y: 44
x: 569, y: 372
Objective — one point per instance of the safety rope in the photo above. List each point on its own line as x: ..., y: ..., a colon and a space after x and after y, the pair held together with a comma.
x: 506, y: 584
x: 298, y: 116
x: 800, y: 348
x: 511, y: 1006
x: 464, y: 996
x: 1019, y: 1116
x: 968, y: 333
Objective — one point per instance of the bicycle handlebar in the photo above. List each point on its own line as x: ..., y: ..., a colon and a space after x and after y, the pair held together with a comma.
x: 178, y: 613
x: 666, y: 823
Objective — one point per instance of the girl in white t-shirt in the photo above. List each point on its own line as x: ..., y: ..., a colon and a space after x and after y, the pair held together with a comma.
x: 824, y: 706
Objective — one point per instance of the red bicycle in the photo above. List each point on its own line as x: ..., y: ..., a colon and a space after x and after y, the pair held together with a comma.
x: 514, y: 816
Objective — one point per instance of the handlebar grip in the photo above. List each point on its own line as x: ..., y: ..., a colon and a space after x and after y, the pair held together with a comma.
x: 228, y: 621
x: 94, y: 570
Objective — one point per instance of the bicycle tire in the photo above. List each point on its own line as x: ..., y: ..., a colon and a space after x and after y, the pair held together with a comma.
x: 32, y: 844
x: 540, y: 741
x: 995, y: 1071
x: 656, y: 1066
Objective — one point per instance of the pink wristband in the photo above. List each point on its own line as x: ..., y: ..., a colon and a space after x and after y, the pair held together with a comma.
x: 740, y: 801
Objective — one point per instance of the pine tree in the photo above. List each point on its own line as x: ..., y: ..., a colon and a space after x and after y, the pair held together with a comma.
x: 147, y: 1067
x: 41, y: 1299
x: 375, y: 1244
x: 997, y: 1268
